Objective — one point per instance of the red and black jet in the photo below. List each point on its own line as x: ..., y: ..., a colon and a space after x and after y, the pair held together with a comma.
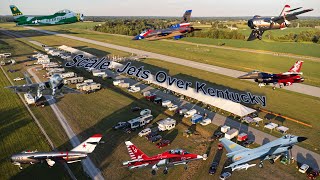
x: 260, y: 24
x: 176, y: 31
x: 167, y: 159
x: 283, y: 79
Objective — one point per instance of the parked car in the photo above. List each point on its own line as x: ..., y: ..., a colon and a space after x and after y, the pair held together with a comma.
x: 220, y: 146
x: 313, y: 174
x: 155, y: 138
x: 18, y: 79
x: 120, y: 125
x: 247, y: 143
x: 136, y: 108
x: 225, y: 175
x: 150, y: 135
x: 127, y: 130
x: 173, y: 107
x: 304, y: 168
x: 213, y: 168
x: 145, y: 112
x: 144, y: 132
x: 217, y: 135
x: 205, y: 122
x: 163, y: 143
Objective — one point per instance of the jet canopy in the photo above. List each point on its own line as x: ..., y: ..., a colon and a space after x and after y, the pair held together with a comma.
x: 64, y: 11
x: 178, y: 151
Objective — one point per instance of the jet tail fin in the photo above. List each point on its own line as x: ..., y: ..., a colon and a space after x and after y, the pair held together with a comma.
x: 88, y: 145
x: 296, y: 67
x: 134, y: 152
x: 15, y: 11
x: 186, y: 16
x: 285, y: 10
x: 231, y: 146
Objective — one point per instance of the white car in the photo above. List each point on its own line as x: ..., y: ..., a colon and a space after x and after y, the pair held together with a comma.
x: 304, y: 168
x: 144, y: 132
x: 173, y: 107
x: 205, y: 122
x: 18, y: 79
x: 145, y: 112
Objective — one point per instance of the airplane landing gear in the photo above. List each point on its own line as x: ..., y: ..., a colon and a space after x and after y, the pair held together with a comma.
x: 153, y: 172
x: 273, y: 88
x: 165, y: 171
x: 259, y: 37
x: 261, y: 164
x: 271, y: 161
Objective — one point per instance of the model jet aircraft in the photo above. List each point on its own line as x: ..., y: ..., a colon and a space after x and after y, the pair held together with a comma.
x: 166, y: 159
x: 60, y: 17
x: 241, y: 155
x: 76, y: 154
x: 55, y: 83
x: 285, y: 79
x: 176, y: 31
x: 260, y: 24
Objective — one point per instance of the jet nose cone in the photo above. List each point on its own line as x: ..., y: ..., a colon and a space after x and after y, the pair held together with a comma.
x: 199, y: 157
x: 138, y: 37
x: 300, y: 139
x: 249, y: 76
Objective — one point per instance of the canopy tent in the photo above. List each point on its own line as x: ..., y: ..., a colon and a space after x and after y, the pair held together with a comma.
x: 282, y: 129
x: 271, y: 126
x: 224, y: 104
x: 257, y: 119
x: 75, y: 51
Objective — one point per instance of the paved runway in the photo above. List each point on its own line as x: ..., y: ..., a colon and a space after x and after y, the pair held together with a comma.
x: 299, y: 88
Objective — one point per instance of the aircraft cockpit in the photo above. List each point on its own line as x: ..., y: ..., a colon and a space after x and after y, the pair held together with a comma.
x: 178, y: 151
x: 64, y: 11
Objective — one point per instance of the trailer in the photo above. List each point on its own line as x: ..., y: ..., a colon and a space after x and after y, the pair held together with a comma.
x: 88, y: 81
x: 134, y: 89
x: 196, y: 118
x: 242, y: 137
x: 146, y: 93
x: 68, y: 75
x: 231, y: 134
x: 182, y: 112
x: 166, y: 103
x: 51, y: 65
x: 91, y: 87
x: 98, y: 73
x: 224, y: 129
x: 190, y: 113
x: 166, y: 124
x: 29, y: 98
x: 117, y: 82
x: 73, y: 80
x: 140, y: 121
x: 124, y: 85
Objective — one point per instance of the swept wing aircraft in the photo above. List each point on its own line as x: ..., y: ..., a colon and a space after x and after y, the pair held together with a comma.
x: 285, y: 79
x: 76, y: 154
x: 176, y: 31
x: 60, y: 17
x: 241, y: 156
x: 260, y: 24
x: 167, y: 159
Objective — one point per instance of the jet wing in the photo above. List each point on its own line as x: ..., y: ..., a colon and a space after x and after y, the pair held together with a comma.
x: 247, y: 159
x: 27, y: 78
x: 24, y: 88
x: 231, y: 146
x: 164, y: 36
x: 290, y: 17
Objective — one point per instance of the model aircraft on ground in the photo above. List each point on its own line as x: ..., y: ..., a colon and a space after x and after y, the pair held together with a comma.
x: 285, y: 79
x: 260, y: 24
x: 50, y: 87
x: 176, y: 31
x: 76, y: 154
x: 167, y: 159
x: 60, y: 17
x: 269, y: 151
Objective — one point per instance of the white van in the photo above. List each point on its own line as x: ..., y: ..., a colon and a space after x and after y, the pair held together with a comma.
x: 190, y: 113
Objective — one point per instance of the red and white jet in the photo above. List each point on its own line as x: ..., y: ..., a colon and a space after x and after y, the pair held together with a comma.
x: 167, y: 159
x: 283, y: 79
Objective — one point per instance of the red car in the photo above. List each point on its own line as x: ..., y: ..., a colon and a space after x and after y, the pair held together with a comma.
x: 163, y: 143
x: 313, y: 175
x: 220, y: 146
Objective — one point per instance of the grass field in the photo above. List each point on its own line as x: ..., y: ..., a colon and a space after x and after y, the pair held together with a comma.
x: 243, y: 61
x: 19, y: 133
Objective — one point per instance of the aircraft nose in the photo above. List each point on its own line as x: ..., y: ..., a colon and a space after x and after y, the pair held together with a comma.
x: 250, y: 24
x: 248, y: 76
x: 199, y: 157
x: 138, y: 37
x: 300, y: 139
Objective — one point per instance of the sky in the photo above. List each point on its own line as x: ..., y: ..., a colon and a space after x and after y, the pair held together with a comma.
x: 159, y: 7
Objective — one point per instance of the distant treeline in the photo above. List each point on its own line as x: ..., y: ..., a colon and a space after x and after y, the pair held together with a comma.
x: 304, y: 36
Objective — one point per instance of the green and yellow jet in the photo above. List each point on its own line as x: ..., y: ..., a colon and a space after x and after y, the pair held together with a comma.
x: 60, y: 17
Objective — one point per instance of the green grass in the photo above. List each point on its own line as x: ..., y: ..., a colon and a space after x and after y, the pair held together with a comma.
x: 243, y: 61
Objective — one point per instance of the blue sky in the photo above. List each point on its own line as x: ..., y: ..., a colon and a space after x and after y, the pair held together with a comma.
x: 159, y: 7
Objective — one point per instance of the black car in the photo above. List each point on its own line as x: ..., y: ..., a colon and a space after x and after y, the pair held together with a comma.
x: 121, y: 125
x: 247, y: 143
x: 134, y: 109
x: 213, y: 168
x: 155, y: 138
x: 217, y: 135
x: 152, y: 134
